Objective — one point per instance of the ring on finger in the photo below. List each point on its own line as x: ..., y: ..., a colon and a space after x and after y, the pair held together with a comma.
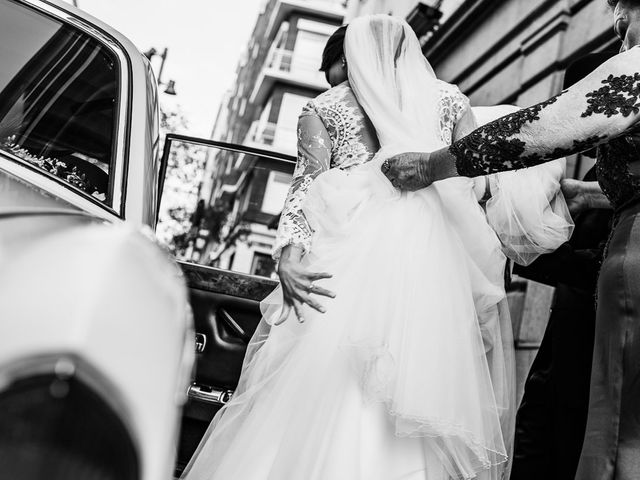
x: 311, y: 287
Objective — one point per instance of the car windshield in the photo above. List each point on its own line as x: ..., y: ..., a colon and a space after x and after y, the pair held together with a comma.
x: 58, y: 100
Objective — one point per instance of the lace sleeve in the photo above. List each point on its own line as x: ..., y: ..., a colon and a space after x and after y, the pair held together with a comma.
x: 595, y: 110
x: 314, y: 157
x: 454, y: 108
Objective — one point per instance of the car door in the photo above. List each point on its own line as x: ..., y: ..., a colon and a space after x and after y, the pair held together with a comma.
x: 218, y: 214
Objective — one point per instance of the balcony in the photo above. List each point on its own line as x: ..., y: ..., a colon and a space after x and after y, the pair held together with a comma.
x: 272, y: 135
x: 285, y: 66
x: 261, y: 134
x: 330, y: 9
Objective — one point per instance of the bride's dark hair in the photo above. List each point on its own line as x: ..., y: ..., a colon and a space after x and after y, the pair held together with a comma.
x: 334, y: 49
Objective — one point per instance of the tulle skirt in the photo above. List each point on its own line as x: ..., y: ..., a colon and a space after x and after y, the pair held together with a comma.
x: 408, y: 373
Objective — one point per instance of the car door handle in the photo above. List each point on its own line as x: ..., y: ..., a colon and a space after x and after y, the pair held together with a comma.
x: 209, y: 395
x: 233, y: 325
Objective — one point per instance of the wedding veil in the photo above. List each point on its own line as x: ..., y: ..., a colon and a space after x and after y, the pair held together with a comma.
x: 393, y: 82
x: 401, y: 95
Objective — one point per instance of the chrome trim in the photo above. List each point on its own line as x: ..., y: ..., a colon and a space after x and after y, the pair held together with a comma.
x: 201, y: 342
x: 41, y: 180
x: 6, y: 212
x: 124, y: 89
x: 209, y: 395
x: 230, y: 321
x: 235, y: 147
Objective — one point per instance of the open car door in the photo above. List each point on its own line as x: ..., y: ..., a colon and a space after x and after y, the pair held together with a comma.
x: 219, y: 209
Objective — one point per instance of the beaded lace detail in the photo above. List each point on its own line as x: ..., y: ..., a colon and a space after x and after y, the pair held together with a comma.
x: 344, y: 121
x: 451, y: 107
x: 619, y: 185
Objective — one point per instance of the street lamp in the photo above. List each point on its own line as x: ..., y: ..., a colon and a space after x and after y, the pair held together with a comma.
x: 171, y: 84
x: 171, y: 88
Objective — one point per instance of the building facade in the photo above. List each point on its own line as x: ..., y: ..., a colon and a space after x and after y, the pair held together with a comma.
x: 278, y: 74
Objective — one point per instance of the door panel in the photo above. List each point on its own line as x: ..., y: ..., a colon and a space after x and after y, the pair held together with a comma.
x: 226, y: 311
x: 228, y: 323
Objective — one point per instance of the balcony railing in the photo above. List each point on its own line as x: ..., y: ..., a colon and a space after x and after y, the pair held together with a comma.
x: 335, y: 9
x: 282, y: 65
x: 262, y: 134
x: 341, y: 3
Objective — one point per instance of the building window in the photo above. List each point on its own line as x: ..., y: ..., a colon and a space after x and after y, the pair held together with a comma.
x: 325, y: 29
x: 307, y: 52
x: 285, y: 136
x: 263, y: 265
x: 275, y: 192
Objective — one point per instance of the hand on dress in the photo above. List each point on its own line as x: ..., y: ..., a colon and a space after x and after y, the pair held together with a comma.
x: 413, y: 171
x: 574, y: 195
x: 407, y: 171
x: 298, y: 284
x: 581, y: 196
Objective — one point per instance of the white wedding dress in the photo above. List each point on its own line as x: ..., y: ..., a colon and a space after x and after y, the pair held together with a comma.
x: 409, y: 374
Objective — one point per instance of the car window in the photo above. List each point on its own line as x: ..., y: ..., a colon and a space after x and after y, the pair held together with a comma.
x: 58, y: 100
x: 221, y: 204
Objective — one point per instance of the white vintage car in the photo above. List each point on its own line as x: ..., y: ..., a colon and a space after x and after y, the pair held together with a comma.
x: 97, y: 323
x: 96, y: 338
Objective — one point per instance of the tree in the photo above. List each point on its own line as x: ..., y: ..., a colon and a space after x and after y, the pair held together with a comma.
x: 185, y: 168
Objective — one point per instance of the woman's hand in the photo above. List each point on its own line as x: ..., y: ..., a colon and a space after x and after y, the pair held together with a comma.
x: 413, y: 170
x: 298, y: 284
x: 582, y: 196
x: 575, y: 195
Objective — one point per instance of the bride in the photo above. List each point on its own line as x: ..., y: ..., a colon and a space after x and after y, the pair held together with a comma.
x: 406, y: 369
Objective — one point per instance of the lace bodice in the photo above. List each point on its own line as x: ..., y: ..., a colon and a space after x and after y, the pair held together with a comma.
x: 335, y: 132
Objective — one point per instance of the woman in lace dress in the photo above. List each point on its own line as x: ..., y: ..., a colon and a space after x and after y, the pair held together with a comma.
x: 405, y: 370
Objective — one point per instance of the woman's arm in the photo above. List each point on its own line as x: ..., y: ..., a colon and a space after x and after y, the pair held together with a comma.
x: 602, y: 106
x: 314, y: 157
x: 293, y: 238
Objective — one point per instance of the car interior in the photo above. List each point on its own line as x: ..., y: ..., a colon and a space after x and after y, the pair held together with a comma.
x: 58, y: 101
